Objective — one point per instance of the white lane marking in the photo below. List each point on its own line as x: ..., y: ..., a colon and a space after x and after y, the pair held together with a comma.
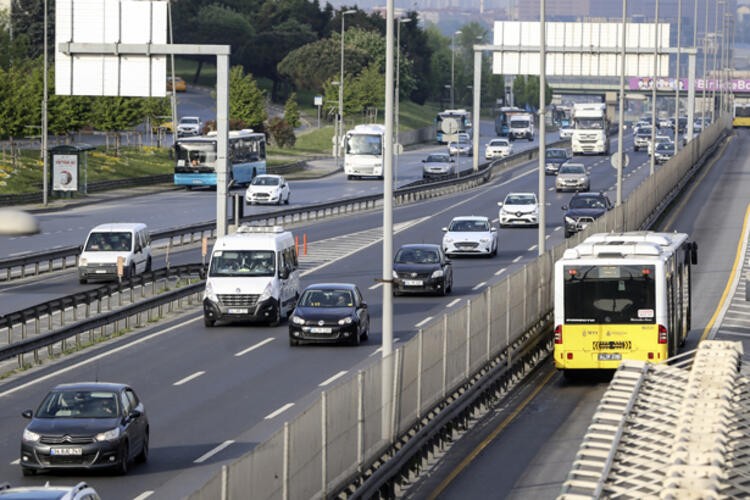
x: 547, y: 236
x: 98, y: 357
x: 213, y: 452
x: 254, y: 347
x: 331, y: 379
x: 144, y: 495
x: 501, y: 271
x: 558, y: 228
x: 189, y: 378
x: 375, y: 286
x: 477, y: 286
x: 517, y: 259
x: 279, y: 411
x: 19, y: 253
x: 453, y: 302
x: 426, y: 320
x: 531, y: 248
x: 395, y: 341
x: 550, y: 189
x: 16, y: 461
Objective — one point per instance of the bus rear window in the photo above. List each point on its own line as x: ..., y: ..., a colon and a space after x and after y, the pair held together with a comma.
x: 609, y: 294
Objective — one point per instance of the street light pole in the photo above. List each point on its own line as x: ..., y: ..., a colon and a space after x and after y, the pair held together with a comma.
x: 45, y: 165
x: 339, y: 129
x: 677, y: 81
x: 397, y: 96
x: 453, y: 67
x: 657, y: 41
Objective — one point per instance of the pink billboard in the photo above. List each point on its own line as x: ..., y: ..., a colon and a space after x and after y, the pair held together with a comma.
x: 646, y: 83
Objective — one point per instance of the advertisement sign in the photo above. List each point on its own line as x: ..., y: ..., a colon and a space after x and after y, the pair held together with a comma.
x: 737, y: 86
x: 65, y: 172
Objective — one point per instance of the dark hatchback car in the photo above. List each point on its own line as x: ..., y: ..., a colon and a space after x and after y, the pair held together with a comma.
x: 87, y: 425
x: 422, y: 268
x: 553, y: 158
x: 583, y: 209
x: 329, y: 313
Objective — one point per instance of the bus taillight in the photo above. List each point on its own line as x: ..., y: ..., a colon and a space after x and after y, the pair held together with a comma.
x: 662, y: 334
x: 558, y: 334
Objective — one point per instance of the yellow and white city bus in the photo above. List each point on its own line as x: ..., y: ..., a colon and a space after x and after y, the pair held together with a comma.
x: 622, y: 296
x: 741, y: 115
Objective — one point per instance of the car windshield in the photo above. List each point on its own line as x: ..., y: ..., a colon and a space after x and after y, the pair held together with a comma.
x: 326, y: 298
x: 556, y: 153
x: 196, y: 153
x: 645, y: 131
x: 265, y: 180
x: 189, y: 121
x: 79, y: 404
x: 664, y: 146
x: 225, y: 263
x: 572, y: 169
x: 499, y: 143
x: 587, y: 202
x: 417, y: 256
x: 438, y: 159
x: 364, y: 144
x: 110, y: 242
x: 469, y: 226
x: 520, y: 199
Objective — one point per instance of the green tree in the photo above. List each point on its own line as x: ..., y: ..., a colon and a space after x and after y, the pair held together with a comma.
x: 20, y: 99
x: 291, y: 111
x: 114, y: 114
x: 281, y: 132
x: 247, y: 102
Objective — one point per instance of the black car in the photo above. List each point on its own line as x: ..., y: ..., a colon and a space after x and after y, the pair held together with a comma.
x: 329, y: 313
x: 422, y: 268
x: 553, y: 158
x: 583, y: 209
x: 87, y: 425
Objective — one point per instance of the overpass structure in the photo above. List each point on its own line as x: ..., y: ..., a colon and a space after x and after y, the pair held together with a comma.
x: 670, y: 431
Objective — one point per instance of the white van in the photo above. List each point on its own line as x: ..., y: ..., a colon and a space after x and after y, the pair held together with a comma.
x: 252, y: 276
x: 106, y: 242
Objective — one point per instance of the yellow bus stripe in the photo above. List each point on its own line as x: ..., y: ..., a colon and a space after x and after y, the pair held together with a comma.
x: 737, y: 260
x: 486, y: 441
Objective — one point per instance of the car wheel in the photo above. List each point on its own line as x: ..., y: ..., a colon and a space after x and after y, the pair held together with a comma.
x: 286, y: 202
x: 82, y: 281
x: 364, y: 336
x: 568, y: 234
x: 293, y: 342
x: 148, y: 264
x: 28, y: 472
x: 122, y: 467
x: 355, y: 340
x: 131, y: 270
x: 143, y: 455
x: 276, y: 319
x: 208, y: 322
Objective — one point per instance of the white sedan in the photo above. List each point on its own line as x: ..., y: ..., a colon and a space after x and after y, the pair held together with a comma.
x: 519, y: 209
x: 498, y: 148
x: 268, y: 188
x: 470, y: 235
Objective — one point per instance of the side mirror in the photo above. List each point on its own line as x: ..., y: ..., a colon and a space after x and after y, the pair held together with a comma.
x: 564, y: 207
x: 80, y: 249
x: 134, y: 414
x: 424, y: 161
x: 27, y: 414
x: 445, y: 229
x: 499, y: 203
x: 493, y: 229
x: 363, y: 305
x: 283, y: 274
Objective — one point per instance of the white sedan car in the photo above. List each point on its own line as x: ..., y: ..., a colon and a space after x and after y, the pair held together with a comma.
x: 470, y: 235
x: 268, y: 188
x: 498, y: 148
x: 519, y: 209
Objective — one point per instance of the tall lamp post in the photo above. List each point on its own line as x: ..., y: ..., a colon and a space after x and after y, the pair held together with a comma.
x: 453, y: 67
x: 397, y: 96
x: 339, y: 129
x: 45, y: 166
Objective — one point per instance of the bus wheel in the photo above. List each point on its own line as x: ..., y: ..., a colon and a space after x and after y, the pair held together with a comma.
x: 188, y: 188
x: 349, y: 177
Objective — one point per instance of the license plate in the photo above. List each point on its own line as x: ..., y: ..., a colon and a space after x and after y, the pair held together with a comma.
x: 197, y: 182
x: 413, y: 283
x: 237, y: 311
x: 318, y: 329
x: 66, y: 451
x: 101, y: 271
x: 606, y: 356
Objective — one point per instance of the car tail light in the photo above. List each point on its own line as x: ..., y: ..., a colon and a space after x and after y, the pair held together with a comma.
x: 662, y: 334
x: 558, y: 334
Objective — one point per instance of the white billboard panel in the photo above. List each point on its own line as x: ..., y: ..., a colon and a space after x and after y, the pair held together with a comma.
x: 110, y: 21
x: 573, y: 48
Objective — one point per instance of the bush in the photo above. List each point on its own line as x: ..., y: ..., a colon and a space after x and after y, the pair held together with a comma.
x: 281, y: 132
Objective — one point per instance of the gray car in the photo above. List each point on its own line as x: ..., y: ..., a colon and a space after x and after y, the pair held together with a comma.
x: 438, y: 165
x: 572, y: 177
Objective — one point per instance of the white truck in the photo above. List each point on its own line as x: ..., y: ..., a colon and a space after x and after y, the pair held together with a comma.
x: 590, y: 129
x: 363, y: 151
x: 521, y: 126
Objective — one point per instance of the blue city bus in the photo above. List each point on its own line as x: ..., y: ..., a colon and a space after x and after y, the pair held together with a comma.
x: 196, y: 159
x: 462, y: 118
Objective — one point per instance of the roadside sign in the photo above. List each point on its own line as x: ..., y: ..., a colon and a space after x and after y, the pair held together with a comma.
x: 449, y: 126
x: 614, y: 160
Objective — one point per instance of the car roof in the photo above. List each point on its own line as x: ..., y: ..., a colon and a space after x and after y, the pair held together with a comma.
x: 521, y: 194
x: 45, y: 492
x: 556, y: 149
x: 331, y: 286
x: 589, y: 194
x: 119, y: 226
x: 573, y: 164
x: 91, y: 386
x: 470, y: 217
x: 275, y: 176
x: 417, y: 246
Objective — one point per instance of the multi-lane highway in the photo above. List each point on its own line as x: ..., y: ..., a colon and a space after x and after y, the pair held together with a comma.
x: 212, y: 395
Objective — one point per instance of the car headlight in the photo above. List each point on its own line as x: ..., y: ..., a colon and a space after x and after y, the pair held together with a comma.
x: 267, y: 292
x: 108, y: 435
x: 30, y: 436
x: 345, y: 321
x: 447, y: 239
x: 395, y: 275
x: 550, y: 165
x: 569, y: 220
x: 484, y: 240
x: 82, y: 261
x: 297, y: 320
x: 209, y: 292
x: 437, y: 274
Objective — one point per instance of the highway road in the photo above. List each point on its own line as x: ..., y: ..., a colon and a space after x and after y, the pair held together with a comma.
x: 212, y: 395
x: 525, y: 448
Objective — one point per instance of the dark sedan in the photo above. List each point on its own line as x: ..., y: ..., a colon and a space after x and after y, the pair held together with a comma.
x: 329, y: 313
x: 583, y: 209
x: 86, y: 425
x: 422, y: 268
x: 553, y: 158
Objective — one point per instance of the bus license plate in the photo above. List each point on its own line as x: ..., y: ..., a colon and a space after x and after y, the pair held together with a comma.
x: 66, y: 451
x: 607, y: 356
x: 413, y: 283
x: 237, y: 311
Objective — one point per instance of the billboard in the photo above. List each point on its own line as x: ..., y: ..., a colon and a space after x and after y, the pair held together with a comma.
x: 574, y: 49
x: 737, y: 85
x: 110, y: 22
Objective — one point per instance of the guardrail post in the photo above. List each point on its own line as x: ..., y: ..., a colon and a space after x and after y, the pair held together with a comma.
x: 445, y: 354
x: 420, y: 347
x: 488, y: 302
x: 396, y: 404
x: 324, y: 445
x: 507, y: 320
x: 360, y: 421
x: 468, y: 339
x: 285, y: 465
x: 525, y: 296
x: 224, y: 482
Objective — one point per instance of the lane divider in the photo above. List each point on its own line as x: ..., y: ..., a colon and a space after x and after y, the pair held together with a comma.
x: 189, y: 378
x: 213, y: 452
x: 334, y: 378
x: 254, y: 347
x: 278, y: 412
